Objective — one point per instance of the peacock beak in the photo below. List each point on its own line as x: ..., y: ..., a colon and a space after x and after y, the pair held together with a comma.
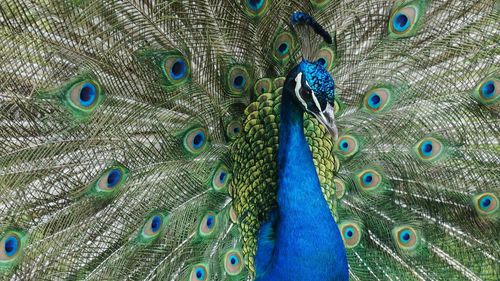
x: 327, y: 118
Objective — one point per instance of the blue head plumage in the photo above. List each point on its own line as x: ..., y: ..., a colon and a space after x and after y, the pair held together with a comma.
x: 312, y: 86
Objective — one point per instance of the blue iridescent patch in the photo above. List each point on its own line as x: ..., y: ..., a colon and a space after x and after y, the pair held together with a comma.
x: 113, y: 178
x: 178, y: 69
x: 401, y: 22
x: 88, y: 94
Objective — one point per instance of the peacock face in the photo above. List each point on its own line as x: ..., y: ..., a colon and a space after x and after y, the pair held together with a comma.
x: 313, y: 88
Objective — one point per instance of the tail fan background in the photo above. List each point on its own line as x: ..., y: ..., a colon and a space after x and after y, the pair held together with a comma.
x: 138, y: 138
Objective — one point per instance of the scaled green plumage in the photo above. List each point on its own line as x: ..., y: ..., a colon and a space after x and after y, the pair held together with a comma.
x: 186, y: 111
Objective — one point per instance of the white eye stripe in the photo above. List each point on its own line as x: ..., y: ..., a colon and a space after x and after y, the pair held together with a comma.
x: 298, y: 85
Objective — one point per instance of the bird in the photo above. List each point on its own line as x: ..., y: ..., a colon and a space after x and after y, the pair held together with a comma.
x: 249, y: 140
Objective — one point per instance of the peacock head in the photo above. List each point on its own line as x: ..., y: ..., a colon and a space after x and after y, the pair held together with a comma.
x: 312, y: 87
x: 309, y: 83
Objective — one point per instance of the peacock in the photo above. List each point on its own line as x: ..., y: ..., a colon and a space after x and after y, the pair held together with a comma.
x: 249, y: 140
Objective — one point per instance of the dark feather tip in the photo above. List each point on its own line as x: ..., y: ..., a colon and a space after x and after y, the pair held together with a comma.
x: 303, y: 18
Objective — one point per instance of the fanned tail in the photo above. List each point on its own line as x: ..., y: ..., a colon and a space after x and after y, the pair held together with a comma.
x: 419, y: 179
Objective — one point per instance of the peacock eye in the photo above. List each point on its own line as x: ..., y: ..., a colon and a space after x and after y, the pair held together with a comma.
x: 176, y: 68
x: 10, y: 247
x: 351, y: 233
x: 305, y: 93
x: 84, y: 97
x: 487, y: 92
x: 233, y: 262
x: 406, y: 237
x: 263, y: 85
x: 339, y: 188
x: 429, y: 148
x: 486, y: 203
x: 153, y: 226
x: 238, y: 80
x: 195, y: 140
x: 87, y: 95
x: 325, y: 57
x: 256, y: 8
x: 282, y: 46
x: 322, y: 62
x: 111, y: 178
x: 488, y: 89
x: 376, y: 99
x: 233, y: 129
x: 347, y: 145
x: 199, y: 273
x: 220, y: 178
x: 368, y: 179
x: 401, y: 21
x: 207, y: 224
x: 404, y: 20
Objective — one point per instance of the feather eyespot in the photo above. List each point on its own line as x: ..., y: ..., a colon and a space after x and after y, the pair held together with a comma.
x: 351, y: 233
x: 176, y: 68
x: 88, y: 94
x: 282, y: 46
x: 256, y: 8
x: 401, y: 22
x: 486, y: 203
x: 325, y: 57
x: 488, y: 89
x: 11, y: 248
x: 84, y: 97
x: 233, y: 262
x: 153, y: 226
x: 195, y: 141
x: 404, y: 20
x: 221, y: 178
x: 487, y: 92
x: 368, y: 179
x: 208, y: 224
x: 199, y: 273
x: 347, y: 145
x: 234, y: 129
x: 263, y: 85
x: 110, y: 180
x: 406, y: 237
x: 377, y: 99
x: 429, y: 149
x: 238, y: 80
x: 339, y: 188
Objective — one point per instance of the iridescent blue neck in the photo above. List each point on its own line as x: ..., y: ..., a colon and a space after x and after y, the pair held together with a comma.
x: 308, y: 245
